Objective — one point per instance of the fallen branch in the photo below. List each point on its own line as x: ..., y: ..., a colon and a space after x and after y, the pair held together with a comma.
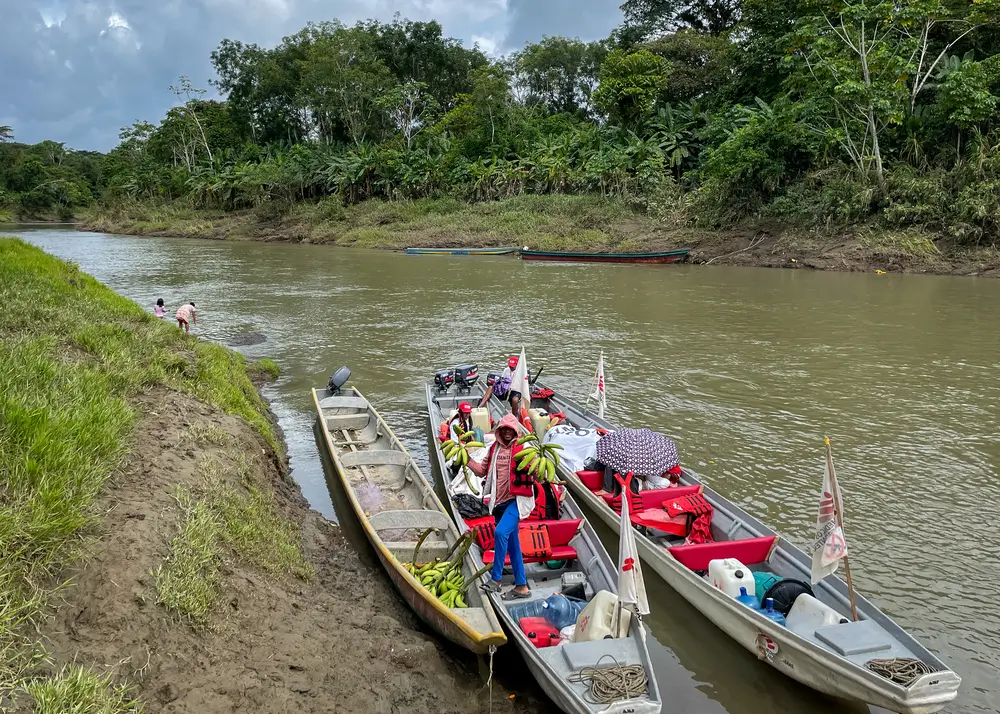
x: 757, y: 240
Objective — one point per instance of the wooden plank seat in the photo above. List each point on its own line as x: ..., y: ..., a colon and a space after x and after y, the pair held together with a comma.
x: 391, y: 520
x: 749, y: 551
x: 379, y: 457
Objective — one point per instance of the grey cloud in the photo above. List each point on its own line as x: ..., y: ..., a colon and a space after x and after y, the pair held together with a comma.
x: 78, y: 70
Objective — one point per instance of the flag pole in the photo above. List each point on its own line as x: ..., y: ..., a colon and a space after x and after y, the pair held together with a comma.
x: 835, y: 487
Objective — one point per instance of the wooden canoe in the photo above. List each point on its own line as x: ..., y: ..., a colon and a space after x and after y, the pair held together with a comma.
x: 670, y: 256
x: 831, y: 656
x: 460, y: 251
x: 553, y: 667
x: 394, y: 503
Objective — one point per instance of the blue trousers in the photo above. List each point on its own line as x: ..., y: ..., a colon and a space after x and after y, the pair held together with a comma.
x: 506, y: 542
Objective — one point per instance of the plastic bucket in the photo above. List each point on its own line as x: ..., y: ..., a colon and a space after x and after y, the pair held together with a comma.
x: 763, y: 582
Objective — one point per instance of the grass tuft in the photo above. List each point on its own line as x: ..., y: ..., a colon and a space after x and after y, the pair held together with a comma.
x: 228, y: 514
x: 76, y: 690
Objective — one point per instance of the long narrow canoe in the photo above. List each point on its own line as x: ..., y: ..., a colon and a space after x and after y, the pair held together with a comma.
x: 831, y: 658
x: 460, y: 251
x: 575, y: 543
x: 670, y: 256
x: 394, y: 504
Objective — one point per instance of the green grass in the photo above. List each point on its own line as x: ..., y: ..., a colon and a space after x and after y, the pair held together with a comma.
x: 226, y: 515
x: 72, y: 355
x: 76, y: 690
x: 898, y: 243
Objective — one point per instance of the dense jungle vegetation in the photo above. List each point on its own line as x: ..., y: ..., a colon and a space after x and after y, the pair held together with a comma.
x: 698, y: 112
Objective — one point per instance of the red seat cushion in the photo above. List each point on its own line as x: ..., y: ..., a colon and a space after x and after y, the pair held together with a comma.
x: 748, y: 551
x: 653, y: 498
x: 561, y: 532
x: 559, y: 552
x: 594, y: 480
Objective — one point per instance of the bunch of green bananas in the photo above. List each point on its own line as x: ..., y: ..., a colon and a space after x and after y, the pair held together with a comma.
x: 538, y: 459
x: 443, y: 577
x: 456, y: 451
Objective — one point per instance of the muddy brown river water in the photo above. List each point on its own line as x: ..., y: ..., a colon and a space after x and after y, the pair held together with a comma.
x: 745, y: 368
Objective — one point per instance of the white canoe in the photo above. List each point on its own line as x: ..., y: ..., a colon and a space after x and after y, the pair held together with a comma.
x: 553, y: 666
x: 831, y: 659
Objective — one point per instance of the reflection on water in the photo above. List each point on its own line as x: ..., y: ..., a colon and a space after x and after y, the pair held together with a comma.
x: 747, y: 369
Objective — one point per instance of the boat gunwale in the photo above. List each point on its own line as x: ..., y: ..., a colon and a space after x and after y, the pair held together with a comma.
x: 482, y: 641
x: 681, y: 252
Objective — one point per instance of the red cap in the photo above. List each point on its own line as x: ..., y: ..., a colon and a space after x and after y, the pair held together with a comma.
x: 512, y: 361
x: 465, y: 408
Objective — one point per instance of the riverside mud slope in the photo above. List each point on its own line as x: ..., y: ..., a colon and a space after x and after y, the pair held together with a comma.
x: 157, y: 555
x: 343, y: 642
x: 572, y: 223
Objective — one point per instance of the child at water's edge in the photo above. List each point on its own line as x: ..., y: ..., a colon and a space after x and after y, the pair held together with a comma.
x: 186, y: 317
x: 160, y: 310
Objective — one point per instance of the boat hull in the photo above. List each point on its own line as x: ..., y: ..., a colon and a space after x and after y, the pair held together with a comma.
x: 438, y: 617
x: 673, y: 256
x: 794, y: 656
x: 460, y: 251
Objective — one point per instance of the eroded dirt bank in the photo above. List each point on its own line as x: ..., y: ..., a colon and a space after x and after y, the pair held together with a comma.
x: 342, y: 641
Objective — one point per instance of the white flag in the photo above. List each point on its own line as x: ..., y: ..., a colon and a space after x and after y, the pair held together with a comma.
x: 599, y: 394
x: 631, y: 588
x: 830, y: 545
x: 519, y: 381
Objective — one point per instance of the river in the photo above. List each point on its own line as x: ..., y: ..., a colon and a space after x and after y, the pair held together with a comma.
x: 746, y: 368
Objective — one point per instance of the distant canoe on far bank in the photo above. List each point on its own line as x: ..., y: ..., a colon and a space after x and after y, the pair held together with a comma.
x: 460, y: 251
x: 669, y: 256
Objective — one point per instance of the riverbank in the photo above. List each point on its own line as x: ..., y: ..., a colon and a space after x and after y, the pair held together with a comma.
x: 158, y: 556
x: 576, y: 223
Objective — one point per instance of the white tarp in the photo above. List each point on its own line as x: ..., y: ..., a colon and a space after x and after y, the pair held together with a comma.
x: 579, y: 445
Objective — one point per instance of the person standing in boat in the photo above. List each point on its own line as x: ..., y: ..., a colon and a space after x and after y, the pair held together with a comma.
x: 501, y: 388
x: 511, y: 498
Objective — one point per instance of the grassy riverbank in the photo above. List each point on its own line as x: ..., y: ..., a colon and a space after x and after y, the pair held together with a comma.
x: 555, y: 222
x: 157, y: 555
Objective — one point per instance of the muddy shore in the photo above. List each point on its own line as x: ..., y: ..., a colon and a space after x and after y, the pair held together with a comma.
x: 343, y: 641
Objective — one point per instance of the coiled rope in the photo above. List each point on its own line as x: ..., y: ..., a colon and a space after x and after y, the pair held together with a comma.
x: 610, y: 684
x: 901, y: 670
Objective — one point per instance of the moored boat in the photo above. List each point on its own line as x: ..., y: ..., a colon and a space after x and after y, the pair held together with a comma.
x: 576, y: 552
x: 460, y: 251
x: 872, y: 660
x: 669, y: 256
x: 394, y: 503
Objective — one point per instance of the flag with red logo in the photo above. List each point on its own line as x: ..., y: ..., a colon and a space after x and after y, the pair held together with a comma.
x: 599, y: 394
x: 830, y: 546
x: 631, y: 588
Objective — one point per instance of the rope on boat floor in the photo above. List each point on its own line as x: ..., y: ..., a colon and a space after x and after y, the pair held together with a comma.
x: 901, y: 670
x: 611, y: 684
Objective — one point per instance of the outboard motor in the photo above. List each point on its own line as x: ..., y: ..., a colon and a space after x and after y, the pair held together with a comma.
x: 338, y: 379
x: 491, y: 379
x: 466, y: 376
x: 443, y: 379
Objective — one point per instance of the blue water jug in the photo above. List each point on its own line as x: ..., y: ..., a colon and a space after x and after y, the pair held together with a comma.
x: 771, y: 614
x: 560, y: 611
x: 535, y: 608
x: 748, y: 600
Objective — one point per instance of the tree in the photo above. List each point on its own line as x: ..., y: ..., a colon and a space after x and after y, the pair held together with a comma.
x: 185, y: 91
x: 630, y: 84
x: 559, y: 73
x: 409, y: 108
x: 6, y: 133
x: 490, y: 95
x: 700, y: 64
x: 649, y: 19
x: 342, y: 80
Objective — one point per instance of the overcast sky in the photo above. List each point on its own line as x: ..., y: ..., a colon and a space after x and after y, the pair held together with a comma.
x: 78, y: 70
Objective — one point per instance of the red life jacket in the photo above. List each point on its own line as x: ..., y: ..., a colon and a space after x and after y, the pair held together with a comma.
x: 520, y: 481
x: 547, y: 505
